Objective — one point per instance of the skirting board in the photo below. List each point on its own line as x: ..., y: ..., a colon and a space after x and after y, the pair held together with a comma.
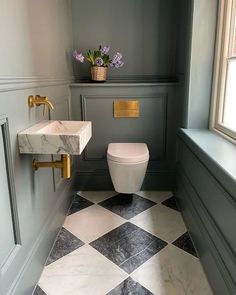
x: 164, y: 180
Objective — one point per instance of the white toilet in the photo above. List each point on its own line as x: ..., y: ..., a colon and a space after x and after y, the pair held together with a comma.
x: 127, y: 165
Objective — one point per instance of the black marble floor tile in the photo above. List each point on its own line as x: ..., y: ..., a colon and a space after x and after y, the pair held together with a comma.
x: 65, y: 243
x: 184, y: 242
x: 38, y: 291
x: 127, y: 205
x: 129, y: 287
x: 78, y: 204
x: 128, y: 246
x: 171, y: 203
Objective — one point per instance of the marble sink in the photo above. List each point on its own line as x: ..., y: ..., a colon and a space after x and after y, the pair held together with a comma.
x: 55, y: 137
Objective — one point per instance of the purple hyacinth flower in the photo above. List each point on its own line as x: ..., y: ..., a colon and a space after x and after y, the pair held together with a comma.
x: 117, y: 57
x: 105, y: 50
x: 116, y: 61
x: 78, y: 56
x: 99, y: 61
x: 119, y: 64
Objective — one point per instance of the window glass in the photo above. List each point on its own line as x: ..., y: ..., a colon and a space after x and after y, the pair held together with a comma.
x: 234, y: 36
x: 223, y: 118
x: 229, y: 112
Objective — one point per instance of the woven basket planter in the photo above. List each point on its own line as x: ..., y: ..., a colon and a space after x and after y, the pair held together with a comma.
x: 98, y: 74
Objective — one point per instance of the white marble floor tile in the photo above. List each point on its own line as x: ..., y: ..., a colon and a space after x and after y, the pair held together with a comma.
x: 172, y: 272
x: 96, y: 196
x: 156, y: 196
x: 161, y: 221
x: 92, y: 222
x: 84, y: 271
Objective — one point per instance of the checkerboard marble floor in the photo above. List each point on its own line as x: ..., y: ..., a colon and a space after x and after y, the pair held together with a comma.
x: 116, y: 244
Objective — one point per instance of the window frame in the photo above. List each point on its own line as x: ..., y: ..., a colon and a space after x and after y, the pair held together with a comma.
x: 227, y: 9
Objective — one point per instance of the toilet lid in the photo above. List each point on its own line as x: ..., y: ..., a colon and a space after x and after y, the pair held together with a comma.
x: 127, y: 152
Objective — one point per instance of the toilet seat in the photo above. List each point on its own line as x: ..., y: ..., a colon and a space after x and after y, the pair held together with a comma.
x: 127, y: 152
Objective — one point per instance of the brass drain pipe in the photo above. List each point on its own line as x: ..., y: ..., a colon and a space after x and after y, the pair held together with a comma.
x: 64, y: 165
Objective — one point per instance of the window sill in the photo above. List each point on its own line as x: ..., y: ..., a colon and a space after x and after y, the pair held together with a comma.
x: 216, y: 153
x: 223, y: 132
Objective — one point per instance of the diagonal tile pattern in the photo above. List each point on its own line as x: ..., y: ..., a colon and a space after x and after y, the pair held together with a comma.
x: 171, y: 203
x: 185, y: 243
x: 82, y: 272
x: 156, y: 196
x: 65, y: 243
x: 92, y: 222
x: 161, y: 221
x: 127, y: 205
x: 38, y: 291
x: 128, y: 246
x: 97, y: 196
x: 99, y: 252
x: 78, y: 204
x: 172, y: 272
x: 129, y: 287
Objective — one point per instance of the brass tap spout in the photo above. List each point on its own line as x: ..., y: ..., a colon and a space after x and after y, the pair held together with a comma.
x: 39, y: 100
x: 48, y: 103
x: 43, y: 100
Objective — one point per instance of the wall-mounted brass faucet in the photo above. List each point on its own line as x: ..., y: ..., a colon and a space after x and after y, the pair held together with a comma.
x: 64, y: 165
x: 38, y: 100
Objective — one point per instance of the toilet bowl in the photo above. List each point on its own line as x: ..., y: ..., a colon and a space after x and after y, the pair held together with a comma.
x: 127, y: 164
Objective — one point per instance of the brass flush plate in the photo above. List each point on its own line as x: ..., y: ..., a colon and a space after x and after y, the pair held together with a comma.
x: 126, y: 108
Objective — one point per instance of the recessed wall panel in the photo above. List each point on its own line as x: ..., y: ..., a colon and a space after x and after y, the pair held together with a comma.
x: 7, y: 234
x: 149, y: 127
x: 6, y: 228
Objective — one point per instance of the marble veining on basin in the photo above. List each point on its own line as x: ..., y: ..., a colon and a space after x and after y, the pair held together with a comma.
x: 55, y: 137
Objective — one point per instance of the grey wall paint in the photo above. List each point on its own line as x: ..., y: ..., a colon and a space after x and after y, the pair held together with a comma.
x: 183, y: 53
x: 35, y: 55
x: 205, y: 190
x: 35, y: 59
x: 35, y: 39
x: 184, y: 32
x: 145, y: 32
x: 156, y: 126
x: 153, y: 41
x: 209, y: 209
x: 202, y: 47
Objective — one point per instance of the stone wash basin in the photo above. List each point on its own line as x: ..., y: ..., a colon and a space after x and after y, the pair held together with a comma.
x: 55, y: 137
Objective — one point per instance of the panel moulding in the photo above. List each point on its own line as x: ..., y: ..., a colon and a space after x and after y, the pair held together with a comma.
x: 159, y: 96
x: 208, y: 229
x: 12, y: 83
x: 4, y: 127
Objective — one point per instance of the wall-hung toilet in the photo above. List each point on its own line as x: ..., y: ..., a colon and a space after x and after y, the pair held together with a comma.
x: 127, y: 164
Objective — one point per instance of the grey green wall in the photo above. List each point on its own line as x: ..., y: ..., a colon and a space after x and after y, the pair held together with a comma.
x: 202, y: 46
x: 177, y: 38
x: 205, y: 187
x: 144, y: 31
x: 206, y: 194
x: 184, y: 37
x: 35, y: 59
x: 156, y: 126
x: 153, y: 38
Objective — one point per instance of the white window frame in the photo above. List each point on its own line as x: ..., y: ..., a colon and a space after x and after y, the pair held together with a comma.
x: 224, y: 34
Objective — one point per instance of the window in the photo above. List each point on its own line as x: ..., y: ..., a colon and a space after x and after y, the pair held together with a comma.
x: 223, y: 117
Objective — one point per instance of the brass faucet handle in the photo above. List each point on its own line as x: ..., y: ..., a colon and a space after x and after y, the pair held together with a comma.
x: 30, y: 101
x: 38, y: 97
x: 38, y: 100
